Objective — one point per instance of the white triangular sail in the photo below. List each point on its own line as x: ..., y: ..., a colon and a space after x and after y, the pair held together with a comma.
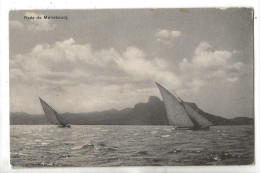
x: 176, y: 112
x: 201, y: 121
x: 52, y: 116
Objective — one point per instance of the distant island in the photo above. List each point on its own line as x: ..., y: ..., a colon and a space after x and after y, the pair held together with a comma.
x: 151, y: 113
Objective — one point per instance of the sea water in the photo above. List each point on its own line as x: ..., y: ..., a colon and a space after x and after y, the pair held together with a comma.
x: 99, y: 146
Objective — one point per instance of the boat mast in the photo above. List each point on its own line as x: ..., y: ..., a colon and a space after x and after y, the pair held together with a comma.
x: 177, y: 96
x: 182, y: 103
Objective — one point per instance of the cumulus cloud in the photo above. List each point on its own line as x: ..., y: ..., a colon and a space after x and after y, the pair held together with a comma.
x: 207, y: 58
x: 69, y: 58
x: 208, y: 64
x: 80, y: 72
x: 196, y: 84
x: 15, y: 24
x: 166, y: 36
x: 38, y: 24
x: 89, y: 79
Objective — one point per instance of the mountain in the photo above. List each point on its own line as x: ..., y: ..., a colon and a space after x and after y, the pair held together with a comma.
x: 243, y: 120
x: 151, y: 113
x: 215, y: 120
x: 25, y: 118
x: 109, y: 117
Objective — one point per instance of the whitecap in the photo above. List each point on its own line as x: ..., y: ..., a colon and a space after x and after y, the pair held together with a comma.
x: 154, y: 132
x: 166, y: 136
x: 44, y: 143
x: 105, y: 130
x: 86, y: 145
x: 37, y: 140
x: 77, y: 147
x: 69, y: 143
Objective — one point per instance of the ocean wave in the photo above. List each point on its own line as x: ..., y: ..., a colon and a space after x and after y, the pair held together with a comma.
x: 218, y: 156
x: 105, y: 130
x: 154, y: 132
x: 17, y: 155
x: 101, y: 144
x: 173, y: 151
x: 44, y: 143
x: 140, y: 153
x: 69, y: 143
x: 86, y: 145
x: 165, y: 136
x: 88, y: 148
x: 46, y: 164
x: 111, y: 149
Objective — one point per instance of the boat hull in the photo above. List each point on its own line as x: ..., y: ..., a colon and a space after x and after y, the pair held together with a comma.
x: 184, y: 128
x: 66, y: 126
x: 192, y: 128
x: 204, y: 128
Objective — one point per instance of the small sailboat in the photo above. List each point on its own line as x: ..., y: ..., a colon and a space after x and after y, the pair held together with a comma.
x: 180, y: 114
x: 53, y: 117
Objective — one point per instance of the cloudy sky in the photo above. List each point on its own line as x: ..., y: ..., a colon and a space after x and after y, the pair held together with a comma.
x: 102, y: 59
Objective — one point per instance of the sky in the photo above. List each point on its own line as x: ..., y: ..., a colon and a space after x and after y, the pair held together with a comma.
x: 102, y: 59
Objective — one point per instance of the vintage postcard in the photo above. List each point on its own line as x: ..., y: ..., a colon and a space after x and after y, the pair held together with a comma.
x: 131, y: 87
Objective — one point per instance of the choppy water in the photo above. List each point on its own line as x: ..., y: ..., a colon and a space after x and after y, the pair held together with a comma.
x: 95, y: 146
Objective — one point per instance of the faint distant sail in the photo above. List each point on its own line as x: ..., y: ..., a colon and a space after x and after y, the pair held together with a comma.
x: 52, y: 116
x: 181, y: 114
x: 176, y: 112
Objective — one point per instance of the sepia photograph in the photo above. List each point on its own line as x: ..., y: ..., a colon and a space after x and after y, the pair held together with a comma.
x: 131, y: 87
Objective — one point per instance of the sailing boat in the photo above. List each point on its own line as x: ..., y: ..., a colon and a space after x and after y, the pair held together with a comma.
x: 52, y: 116
x: 180, y: 114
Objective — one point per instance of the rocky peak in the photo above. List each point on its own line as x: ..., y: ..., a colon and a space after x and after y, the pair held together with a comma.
x: 154, y: 99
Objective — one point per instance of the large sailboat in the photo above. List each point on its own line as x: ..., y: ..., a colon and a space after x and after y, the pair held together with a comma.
x: 52, y: 115
x: 180, y: 114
